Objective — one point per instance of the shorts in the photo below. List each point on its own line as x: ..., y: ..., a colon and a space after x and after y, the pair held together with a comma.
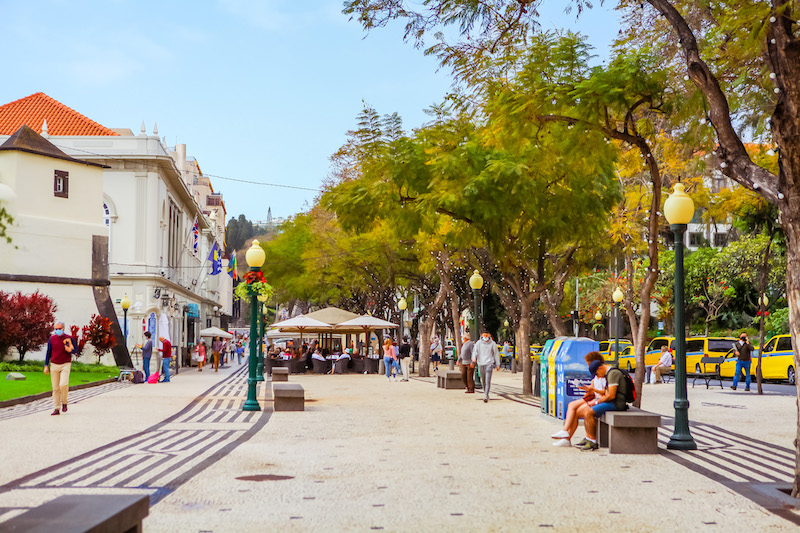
x: 604, y: 407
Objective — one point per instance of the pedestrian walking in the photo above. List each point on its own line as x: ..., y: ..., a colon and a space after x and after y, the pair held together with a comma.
x: 405, y: 357
x: 389, y: 358
x: 226, y: 350
x: 216, y: 348
x: 239, y: 352
x: 57, y: 363
x: 743, y: 351
x: 487, y: 356
x: 166, y: 356
x: 436, y: 352
x: 201, y: 355
x: 467, y: 366
x: 147, y: 353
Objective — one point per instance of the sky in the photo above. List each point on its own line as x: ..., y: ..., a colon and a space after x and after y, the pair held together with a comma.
x: 259, y: 90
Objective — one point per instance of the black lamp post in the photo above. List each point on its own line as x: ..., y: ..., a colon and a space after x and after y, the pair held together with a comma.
x: 679, y: 210
x: 476, y: 284
x: 126, y: 304
x: 617, y: 296
x: 255, y: 257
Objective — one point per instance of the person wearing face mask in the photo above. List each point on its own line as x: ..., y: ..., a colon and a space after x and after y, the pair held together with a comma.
x: 743, y: 350
x: 57, y: 363
x: 487, y: 356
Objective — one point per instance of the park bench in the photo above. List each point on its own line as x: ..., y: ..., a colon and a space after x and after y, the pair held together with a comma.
x: 710, y: 371
x: 79, y: 513
x: 633, y: 431
x: 280, y: 374
x: 288, y: 397
x: 449, y: 379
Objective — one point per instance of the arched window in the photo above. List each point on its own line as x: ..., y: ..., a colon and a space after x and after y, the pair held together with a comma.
x: 109, y: 216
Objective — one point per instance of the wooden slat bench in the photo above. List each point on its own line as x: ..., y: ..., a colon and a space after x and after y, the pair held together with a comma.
x: 95, y: 513
x: 633, y: 431
x: 710, y: 367
x: 288, y: 397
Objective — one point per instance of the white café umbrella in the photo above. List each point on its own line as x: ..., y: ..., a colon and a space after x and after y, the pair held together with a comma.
x: 301, y: 323
x: 215, y: 332
x: 365, y: 322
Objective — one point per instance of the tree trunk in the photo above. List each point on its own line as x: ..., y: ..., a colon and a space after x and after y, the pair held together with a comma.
x: 523, y: 338
x: 762, y: 285
x: 426, y: 326
x: 551, y: 313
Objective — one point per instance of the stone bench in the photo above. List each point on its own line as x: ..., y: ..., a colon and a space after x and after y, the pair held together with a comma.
x: 631, y: 431
x: 449, y: 379
x: 280, y: 374
x: 98, y: 513
x: 288, y: 397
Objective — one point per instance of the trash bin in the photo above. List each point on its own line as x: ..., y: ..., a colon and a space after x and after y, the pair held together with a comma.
x: 571, y: 371
x: 549, y: 377
x: 543, y: 366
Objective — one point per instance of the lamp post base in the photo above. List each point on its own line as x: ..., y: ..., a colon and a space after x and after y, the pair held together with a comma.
x: 260, y: 371
x: 683, y: 442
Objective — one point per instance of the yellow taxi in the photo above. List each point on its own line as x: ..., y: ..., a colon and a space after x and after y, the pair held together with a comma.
x: 653, y: 351
x: 699, y: 347
x: 608, y: 347
x: 627, y: 359
x: 777, y: 360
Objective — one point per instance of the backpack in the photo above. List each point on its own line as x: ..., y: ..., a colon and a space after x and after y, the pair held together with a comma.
x: 630, y: 388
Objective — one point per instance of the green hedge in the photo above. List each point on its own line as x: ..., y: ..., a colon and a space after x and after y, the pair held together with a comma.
x: 38, y: 366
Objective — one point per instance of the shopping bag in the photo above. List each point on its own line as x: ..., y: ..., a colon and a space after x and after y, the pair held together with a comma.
x: 153, y: 378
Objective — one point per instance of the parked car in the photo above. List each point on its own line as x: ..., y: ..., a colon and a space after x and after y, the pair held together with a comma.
x: 627, y: 359
x: 777, y: 360
x: 699, y: 347
x: 607, y: 348
x: 653, y: 352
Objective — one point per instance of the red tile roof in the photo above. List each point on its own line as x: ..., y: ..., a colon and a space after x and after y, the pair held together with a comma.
x: 33, y: 110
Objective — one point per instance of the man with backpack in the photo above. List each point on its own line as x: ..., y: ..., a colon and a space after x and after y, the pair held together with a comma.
x: 620, y: 388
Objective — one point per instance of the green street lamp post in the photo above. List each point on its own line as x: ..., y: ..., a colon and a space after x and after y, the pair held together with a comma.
x: 126, y: 304
x: 260, y: 329
x: 255, y: 257
x: 617, y: 296
x: 679, y: 210
x: 476, y: 284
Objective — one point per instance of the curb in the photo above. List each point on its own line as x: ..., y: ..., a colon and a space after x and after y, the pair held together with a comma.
x: 33, y: 397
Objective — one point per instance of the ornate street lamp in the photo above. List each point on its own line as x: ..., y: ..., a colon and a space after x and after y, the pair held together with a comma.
x: 679, y: 210
x: 402, y: 305
x: 618, y: 297
x: 255, y: 258
x: 126, y: 304
x: 476, y: 284
x: 260, y: 329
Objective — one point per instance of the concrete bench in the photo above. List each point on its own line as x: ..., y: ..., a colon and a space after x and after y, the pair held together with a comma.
x: 710, y: 371
x: 449, y: 379
x: 98, y: 513
x: 280, y: 374
x: 631, y: 431
x: 288, y: 397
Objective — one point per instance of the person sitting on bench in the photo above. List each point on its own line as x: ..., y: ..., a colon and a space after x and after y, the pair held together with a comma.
x: 664, y: 365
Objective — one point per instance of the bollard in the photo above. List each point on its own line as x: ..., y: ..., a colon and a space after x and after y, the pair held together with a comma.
x: 381, y: 366
x: 513, y: 364
x: 452, y: 364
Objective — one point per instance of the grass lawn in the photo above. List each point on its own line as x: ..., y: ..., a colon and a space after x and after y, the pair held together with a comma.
x: 37, y: 382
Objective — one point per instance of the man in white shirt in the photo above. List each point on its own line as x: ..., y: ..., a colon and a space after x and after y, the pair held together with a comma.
x: 664, y: 364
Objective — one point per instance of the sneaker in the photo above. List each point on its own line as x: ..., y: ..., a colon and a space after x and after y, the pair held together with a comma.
x: 582, y: 442
x: 589, y: 446
x: 733, y: 387
x: 486, y: 400
x: 562, y: 443
x: 563, y: 434
x: 389, y: 380
x: 746, y: 390
x: 63, y: 408
x: 56, y: 412
x: 365, y: 372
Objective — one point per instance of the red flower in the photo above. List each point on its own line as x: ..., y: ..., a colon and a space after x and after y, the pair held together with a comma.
x: 254, y: 277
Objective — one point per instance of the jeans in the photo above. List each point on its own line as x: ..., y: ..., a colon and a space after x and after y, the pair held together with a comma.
x: 59, y: 379
x: 486, y: 379
x: 146, y: 367
x: 165, y: 369
x: 739, y: 366
x: 387, y: 365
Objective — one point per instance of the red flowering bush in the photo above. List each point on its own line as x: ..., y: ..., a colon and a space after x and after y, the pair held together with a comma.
x: 26, y: 321
x: 98, y: 333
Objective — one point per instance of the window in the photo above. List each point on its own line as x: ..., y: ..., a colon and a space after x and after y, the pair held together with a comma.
x: 61, y: 184
x: 720, y: 345
x: 656, y: 344
x: 174, y: 236
x: 695, y: 345
x: 784, y: 344
x: 696, y: 239
x: 720, y: 240
x: 770, y: 347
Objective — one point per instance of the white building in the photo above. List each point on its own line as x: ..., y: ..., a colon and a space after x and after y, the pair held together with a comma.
x: 148, y: 206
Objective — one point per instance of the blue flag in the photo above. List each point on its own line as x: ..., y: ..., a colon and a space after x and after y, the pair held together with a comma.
x: 216, y: 260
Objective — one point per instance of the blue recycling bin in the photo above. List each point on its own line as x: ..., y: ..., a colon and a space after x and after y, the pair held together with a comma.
x: 571, y: 371
x: 543, y: 367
